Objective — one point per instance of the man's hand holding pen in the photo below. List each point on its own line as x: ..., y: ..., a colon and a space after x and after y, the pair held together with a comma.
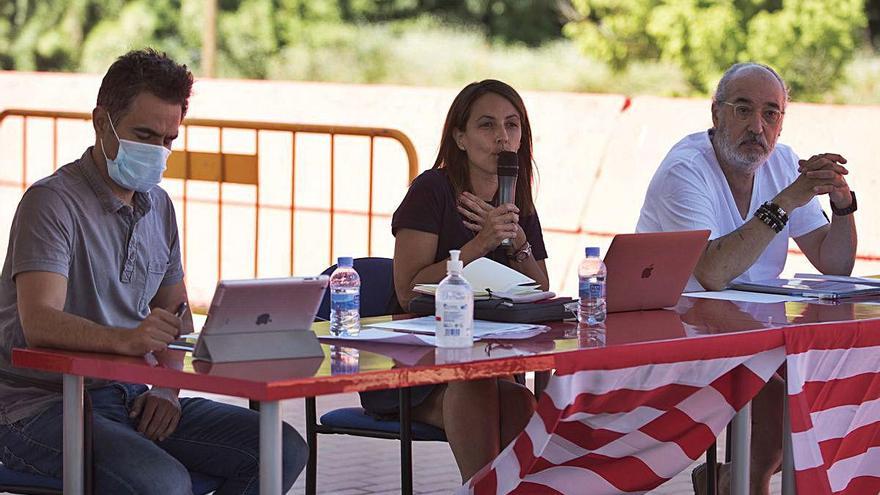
x: 155, y: 332
x: 159, y: 408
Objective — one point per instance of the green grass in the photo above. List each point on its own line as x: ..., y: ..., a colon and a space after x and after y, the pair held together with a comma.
x: 427, y: 52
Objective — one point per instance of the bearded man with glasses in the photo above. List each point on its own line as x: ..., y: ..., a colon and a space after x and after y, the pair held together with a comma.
x: 753, y: 195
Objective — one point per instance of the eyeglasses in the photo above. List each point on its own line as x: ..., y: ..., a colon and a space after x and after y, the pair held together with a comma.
x: 742, y: 111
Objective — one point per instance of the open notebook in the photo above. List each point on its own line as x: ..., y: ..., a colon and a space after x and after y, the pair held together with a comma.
x: 490, y: 279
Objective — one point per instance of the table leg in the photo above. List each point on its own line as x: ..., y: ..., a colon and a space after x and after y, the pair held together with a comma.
x: 788, y: 484
x: 742, y: 439
x: 406, y: 484
x: 270, y: 447
x: 73, y: 434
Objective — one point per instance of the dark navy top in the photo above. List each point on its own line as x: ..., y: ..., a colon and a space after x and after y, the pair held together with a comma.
x: 431, y: 206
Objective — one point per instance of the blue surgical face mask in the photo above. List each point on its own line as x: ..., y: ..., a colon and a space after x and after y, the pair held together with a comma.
x: 137, y: 166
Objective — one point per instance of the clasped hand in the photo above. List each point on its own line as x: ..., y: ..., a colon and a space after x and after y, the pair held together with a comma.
x: 820, y: 174
x: 491, y: 224
x: 827, y: 169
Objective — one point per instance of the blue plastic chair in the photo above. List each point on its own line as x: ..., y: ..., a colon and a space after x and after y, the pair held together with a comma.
x: 377, y: 288
x: 377, y: 298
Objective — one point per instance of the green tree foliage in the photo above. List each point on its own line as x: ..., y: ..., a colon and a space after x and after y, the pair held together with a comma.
x: 807, y: 41
x: 519, y: 21
x: 252, y: 34
x: 42, y: 34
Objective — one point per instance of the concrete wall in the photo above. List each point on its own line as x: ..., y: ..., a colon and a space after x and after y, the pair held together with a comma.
x: 595, y: 155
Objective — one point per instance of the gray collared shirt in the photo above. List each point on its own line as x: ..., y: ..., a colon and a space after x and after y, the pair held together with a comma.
x: 115, y: 258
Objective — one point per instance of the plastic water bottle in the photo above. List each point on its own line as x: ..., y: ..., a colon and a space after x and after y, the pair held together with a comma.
x: 344, y: 360
x: 591, y: 288
x: 345, y: 299
x: 454, y: 306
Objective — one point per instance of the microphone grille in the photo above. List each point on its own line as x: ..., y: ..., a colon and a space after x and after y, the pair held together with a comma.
x: 508, y: 163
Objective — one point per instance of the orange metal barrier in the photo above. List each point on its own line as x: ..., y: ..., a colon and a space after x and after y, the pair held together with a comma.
x: 241, y: 169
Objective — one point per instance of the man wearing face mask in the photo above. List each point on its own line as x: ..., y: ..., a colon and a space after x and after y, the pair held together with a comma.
x: 753, y: 195
x: 94, y: 264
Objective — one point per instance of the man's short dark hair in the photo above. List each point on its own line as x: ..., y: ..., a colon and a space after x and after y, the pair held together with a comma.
x: 144, y: 70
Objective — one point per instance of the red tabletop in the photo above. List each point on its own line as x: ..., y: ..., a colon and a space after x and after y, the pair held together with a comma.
x: 352, y: 367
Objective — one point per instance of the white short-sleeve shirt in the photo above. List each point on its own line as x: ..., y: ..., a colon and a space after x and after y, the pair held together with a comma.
x: 689, y: 192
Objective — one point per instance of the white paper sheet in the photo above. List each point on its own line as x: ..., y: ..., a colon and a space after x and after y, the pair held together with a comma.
x: 198, y: 323
x: 738, y: 295
x: 483, y: 329
x: 483, y: 273
x: 840, y: 278
x: 385, y: 337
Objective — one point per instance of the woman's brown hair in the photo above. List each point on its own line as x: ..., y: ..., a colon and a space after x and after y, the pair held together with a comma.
x: 454, y: 160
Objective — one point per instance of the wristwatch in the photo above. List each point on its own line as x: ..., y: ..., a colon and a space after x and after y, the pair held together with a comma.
x: 842, y: 212
x: 521, y: 254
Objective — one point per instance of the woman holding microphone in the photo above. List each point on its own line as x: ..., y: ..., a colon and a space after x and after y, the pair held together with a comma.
x: 454, y: 205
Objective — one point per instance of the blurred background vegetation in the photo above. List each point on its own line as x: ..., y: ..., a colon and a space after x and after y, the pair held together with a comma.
x: 827, y: 49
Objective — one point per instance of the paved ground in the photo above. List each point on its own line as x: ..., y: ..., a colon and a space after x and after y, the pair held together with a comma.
x: 360, y: 466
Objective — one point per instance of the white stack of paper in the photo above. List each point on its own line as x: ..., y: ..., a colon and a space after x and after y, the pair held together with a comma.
x: 420, y: 331
x: 385, y: 337
x: 743, y: 296
x: 427, y: 325
x: 490, y: 279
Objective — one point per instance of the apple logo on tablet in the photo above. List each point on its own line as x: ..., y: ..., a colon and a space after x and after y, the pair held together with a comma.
x: 647, y: 271
x: 264, y: 319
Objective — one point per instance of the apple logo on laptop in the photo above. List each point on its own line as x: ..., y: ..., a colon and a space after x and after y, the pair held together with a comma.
x: 264, y: 319
x: 647, y: 271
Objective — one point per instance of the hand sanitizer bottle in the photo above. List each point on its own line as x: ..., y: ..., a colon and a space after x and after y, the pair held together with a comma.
x: 454, y: 305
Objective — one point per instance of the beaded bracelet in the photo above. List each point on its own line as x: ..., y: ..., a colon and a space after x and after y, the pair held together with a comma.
x: 772, y: 215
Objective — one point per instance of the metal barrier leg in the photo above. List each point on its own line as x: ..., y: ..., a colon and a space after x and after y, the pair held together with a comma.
x: 270, y: 447
x: 788, y: 483
x: 72, y: 437
x: 741, y: 449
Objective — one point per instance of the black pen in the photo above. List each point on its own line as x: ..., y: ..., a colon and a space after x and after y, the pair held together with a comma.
x: 181, y: 310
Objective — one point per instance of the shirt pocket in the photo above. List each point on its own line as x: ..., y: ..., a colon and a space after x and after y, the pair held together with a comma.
x: 155, y: 273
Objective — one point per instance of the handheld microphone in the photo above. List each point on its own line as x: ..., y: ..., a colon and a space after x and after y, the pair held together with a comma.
x: 508, y: 169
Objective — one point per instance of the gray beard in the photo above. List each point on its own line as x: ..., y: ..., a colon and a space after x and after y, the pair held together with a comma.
x: 743, y: 161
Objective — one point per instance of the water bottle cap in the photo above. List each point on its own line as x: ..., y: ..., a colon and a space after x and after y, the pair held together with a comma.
x: 345, y: 261
x: 592, y: 252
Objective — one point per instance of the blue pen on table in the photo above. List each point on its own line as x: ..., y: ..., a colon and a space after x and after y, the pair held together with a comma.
x: 149, y: 357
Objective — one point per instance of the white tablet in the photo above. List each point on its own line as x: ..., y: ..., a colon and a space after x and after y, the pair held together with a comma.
x: 261, y: 319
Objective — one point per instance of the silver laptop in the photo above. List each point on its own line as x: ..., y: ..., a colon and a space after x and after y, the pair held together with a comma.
x: 648, y: 271
x: 259, y: 319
